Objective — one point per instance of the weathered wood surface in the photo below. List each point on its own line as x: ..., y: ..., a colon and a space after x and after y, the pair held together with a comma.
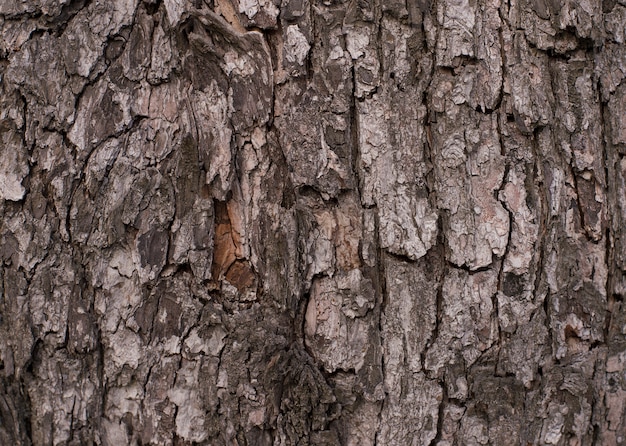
x: 255, y: 222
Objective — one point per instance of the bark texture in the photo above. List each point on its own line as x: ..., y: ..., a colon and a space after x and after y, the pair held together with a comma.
x: 313, y: 222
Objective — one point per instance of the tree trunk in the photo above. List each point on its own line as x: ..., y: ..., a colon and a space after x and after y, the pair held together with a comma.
x: 255, y: 222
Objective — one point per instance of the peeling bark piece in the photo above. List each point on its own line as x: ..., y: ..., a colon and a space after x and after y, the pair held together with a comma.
x: 313, y: 161
x: 580, y: 128
x: 285, y: 222
x: 619, y: 217
x: 616, y: 118
x: 524, y: 225
x: 408, y: 325
x: 419, y: 406
x: 530, y: 89
x: 39, y: 72
x: 456, y: 19
x: 408, y: 224
x: 523, y: 352
x: 468, y: 169
x: 103, y: 112
x: 66, y: 400
x: 296, y: 47
x: 610, y: 67
x: 259, y: 13
x: 467, y: 322
x: 360, y: 44
x: 496, y: 414
x: 85, y: 37
x: 162, y: 59
x: 409, y: 318
x: 336, y: 327
x: 13, y: 167
x: 210, y: 107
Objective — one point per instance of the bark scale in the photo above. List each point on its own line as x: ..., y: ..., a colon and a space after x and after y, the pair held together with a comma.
x: 299, y: 222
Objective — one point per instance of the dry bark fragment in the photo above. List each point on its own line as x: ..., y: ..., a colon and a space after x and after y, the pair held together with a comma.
x: 279, y: 223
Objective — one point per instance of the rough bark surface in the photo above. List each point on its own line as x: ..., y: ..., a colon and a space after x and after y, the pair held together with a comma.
x: 312, y: 222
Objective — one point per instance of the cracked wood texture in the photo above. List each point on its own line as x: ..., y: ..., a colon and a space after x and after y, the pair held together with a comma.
x: 313, y: 222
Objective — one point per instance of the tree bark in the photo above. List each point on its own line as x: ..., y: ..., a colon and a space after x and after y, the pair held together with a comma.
x: 303, y: 222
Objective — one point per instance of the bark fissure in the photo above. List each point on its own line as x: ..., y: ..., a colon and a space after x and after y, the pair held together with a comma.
x: 380, y: 223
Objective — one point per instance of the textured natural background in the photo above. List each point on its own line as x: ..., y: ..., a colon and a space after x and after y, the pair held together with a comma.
x: 305, y: 222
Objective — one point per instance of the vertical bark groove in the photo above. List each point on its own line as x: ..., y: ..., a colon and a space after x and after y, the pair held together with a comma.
x: 305, y: 222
